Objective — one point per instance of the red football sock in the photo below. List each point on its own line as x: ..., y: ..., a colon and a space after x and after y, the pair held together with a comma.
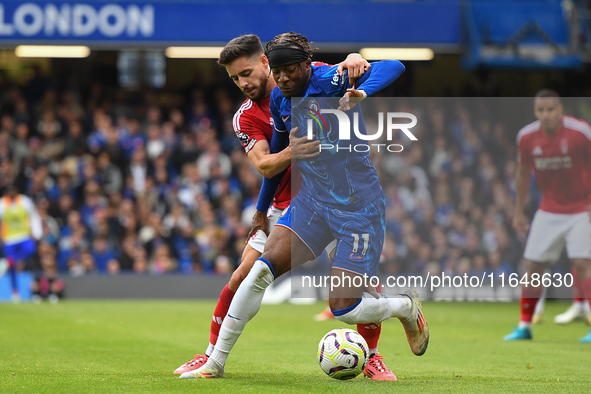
x: 220, y: 312
x: 529, y: 299
x: 577, y: 294
x: 586, y: 288
x: 371, y: 333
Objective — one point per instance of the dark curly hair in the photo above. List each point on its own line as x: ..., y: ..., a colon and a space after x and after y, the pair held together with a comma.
x: 291, y: 40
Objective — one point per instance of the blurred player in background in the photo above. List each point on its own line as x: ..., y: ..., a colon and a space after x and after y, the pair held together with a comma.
x: 290, y: 61
x: 247, y: 65
x: 579, y: 309
x: 19, y: 229
x: 558, y: 149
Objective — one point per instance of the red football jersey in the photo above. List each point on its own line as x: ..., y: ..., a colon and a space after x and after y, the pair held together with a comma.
x: 253, y: 123
x: 561, y: 162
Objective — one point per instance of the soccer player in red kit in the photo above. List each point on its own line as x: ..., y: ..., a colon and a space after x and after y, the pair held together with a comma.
x: 558, y: 149
x: 245, y: 62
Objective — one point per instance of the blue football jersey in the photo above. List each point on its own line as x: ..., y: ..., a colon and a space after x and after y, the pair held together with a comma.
x: 340, y: 175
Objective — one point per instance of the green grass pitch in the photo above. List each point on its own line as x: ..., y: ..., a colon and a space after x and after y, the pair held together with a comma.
x: 124, y: 347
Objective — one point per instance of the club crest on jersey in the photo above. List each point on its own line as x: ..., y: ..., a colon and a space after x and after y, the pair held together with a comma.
x: 313, y: 105
x: 313, y: 111
x: 564, y: 146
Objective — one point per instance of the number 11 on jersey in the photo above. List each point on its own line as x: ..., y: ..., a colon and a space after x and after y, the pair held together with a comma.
x: 365, y: 239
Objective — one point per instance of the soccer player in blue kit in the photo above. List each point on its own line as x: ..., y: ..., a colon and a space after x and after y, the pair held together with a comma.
x: 341, y: 198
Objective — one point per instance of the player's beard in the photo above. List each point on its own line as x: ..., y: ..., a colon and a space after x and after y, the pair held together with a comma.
x: 262, y: 89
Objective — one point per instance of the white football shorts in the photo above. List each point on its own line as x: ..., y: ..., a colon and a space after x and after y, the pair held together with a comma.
x: 549, y: 232
x: 258, y: 240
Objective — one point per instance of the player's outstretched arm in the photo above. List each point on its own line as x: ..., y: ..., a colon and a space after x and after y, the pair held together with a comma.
x: 380, y: 75
x: 377, y: 78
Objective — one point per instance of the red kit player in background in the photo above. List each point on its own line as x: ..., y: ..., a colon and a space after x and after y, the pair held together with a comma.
x: 558, y: 150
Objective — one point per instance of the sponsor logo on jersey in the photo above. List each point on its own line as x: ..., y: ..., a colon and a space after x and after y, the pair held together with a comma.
x: 337, y: 79
x: 537, y: 151
x: 553, y: 163
x: 285, y: 118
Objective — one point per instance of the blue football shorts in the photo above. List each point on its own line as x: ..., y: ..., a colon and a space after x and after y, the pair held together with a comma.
x: 20, y: 250
x: 359, y: 230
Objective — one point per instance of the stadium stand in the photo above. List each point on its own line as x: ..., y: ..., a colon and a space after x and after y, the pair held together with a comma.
x: 156, y: 182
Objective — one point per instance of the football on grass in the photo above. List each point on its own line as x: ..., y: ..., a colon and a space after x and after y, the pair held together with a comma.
x: 343, y: 353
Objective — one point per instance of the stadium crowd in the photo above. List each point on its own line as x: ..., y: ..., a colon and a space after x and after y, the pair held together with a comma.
x: 157, y: 182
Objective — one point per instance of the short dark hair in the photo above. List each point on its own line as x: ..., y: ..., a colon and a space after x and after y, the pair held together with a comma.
x: 544, y: 93
x: 291, y: 40
x: 244, y: 46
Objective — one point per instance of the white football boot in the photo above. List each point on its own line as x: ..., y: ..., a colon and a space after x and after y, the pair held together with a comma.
x: 575, y: 311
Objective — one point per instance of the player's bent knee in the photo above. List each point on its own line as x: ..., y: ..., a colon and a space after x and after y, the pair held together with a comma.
x: 341, y: 303
x: 279, y: 262
x: 263, y: 273
x: 344, y: 309
x: 284, y: 250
